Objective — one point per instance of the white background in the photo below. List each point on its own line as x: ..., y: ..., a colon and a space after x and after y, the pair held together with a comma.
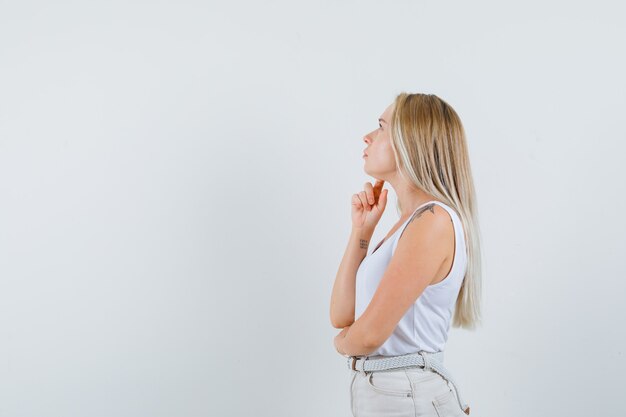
x: 175, y: 183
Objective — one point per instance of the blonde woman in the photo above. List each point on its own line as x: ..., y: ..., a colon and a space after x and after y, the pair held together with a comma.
x: 396, y: 304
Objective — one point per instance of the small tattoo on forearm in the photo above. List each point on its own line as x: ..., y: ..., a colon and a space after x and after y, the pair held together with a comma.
x: 364, y: 243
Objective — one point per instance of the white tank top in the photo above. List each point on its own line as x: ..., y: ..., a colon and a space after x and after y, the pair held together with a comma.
x: 425, y: 324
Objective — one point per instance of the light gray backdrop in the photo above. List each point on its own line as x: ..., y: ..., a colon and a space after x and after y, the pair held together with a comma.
x: 175, y: 183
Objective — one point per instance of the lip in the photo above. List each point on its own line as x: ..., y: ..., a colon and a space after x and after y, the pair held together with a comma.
x: 364, y: 155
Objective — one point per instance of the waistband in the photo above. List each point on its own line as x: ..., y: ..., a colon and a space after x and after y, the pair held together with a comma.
x: 427, y: 360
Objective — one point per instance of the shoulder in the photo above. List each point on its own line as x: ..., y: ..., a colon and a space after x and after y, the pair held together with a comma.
x: 429, y: 225
x: 431, y: 217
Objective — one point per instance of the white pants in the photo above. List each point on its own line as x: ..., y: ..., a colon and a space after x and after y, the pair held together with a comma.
x: 405, y: 392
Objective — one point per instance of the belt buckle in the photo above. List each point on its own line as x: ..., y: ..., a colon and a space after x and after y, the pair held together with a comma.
x: 352, y: 366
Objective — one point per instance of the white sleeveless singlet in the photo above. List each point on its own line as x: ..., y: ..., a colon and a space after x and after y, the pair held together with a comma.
x: 426, y: 323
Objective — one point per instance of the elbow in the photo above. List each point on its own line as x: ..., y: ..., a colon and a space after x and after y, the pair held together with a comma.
x: 339, y: 321
x: 341, y: 324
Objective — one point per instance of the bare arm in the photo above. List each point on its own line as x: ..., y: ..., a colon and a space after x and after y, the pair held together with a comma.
x: 342, y: 298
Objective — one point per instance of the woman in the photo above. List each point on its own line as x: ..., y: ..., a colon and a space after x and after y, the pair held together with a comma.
x: 396, y: 304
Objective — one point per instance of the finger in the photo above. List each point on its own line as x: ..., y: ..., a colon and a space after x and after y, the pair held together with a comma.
x: 363, y: 198
x: 356, y: 201
x: 378, y: 188
x: 369, y: 190
x: 382, y: 201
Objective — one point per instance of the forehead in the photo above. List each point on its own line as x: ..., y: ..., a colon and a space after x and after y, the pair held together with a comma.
x: 388, y: 111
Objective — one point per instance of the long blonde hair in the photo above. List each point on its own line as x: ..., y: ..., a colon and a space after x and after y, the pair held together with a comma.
x: 430, y: 149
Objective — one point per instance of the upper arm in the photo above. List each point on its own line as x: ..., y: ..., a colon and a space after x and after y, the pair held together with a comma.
x: 419, y: 254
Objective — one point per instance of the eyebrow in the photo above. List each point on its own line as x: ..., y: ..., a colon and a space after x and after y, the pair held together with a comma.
x: 382, y: 120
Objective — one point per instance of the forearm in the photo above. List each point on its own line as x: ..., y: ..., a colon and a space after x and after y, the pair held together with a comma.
x: 355, y: 341
x: 342, y: 298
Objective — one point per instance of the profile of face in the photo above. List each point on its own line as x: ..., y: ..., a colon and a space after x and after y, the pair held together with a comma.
x: 379, y: 159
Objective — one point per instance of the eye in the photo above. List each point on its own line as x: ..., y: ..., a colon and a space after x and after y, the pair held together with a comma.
x: 379, y: 125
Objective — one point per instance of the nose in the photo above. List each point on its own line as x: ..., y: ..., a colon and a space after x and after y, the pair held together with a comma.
x: 367, y: 139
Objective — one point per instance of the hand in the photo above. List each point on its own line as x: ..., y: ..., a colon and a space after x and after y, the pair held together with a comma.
x: 340, y: 337
x: 368, y: 205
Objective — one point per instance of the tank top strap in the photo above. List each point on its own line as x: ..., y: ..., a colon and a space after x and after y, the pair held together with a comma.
x: 406, y: 223
x: 449, y: 209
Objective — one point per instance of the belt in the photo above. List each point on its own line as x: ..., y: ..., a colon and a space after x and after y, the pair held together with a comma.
x: 426, y: 360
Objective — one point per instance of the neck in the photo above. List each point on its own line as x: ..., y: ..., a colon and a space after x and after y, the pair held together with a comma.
x: 410, y: 197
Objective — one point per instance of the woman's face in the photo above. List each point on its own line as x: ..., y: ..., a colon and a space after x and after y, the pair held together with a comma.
x: 379, y: 160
